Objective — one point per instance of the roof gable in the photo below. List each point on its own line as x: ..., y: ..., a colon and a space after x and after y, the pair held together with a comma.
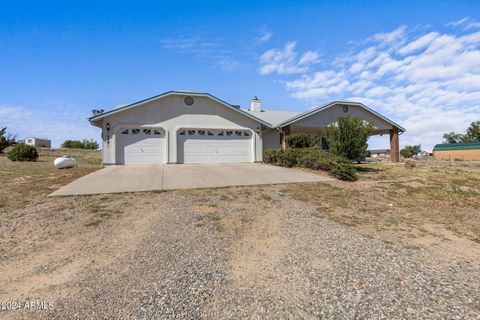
x: 179, y: 93
x: 313, y: 111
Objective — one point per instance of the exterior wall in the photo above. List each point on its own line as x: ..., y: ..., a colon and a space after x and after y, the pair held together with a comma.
x: 473, y: 154
x: 171, y: 115
x: 38, y: 142
x: 310, y: 131
x: 271, y: 139
x: 323, y: 118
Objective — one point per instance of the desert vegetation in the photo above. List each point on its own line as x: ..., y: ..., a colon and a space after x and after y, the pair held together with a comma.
x: 23, y: 152
x: 312, y: 158
x: 80, y: 144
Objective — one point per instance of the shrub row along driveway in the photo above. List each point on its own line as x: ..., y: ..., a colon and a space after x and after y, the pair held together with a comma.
x: 247, y: 252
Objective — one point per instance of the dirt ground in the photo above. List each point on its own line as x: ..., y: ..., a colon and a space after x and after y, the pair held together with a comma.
x: 60, y: 249
x: 433, y: 204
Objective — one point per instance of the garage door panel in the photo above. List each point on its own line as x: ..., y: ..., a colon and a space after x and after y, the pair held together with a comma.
x: 141, y: 146
x: 214, y: 146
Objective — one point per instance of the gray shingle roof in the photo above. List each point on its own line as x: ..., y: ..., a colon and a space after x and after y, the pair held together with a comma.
x: 273, y: 117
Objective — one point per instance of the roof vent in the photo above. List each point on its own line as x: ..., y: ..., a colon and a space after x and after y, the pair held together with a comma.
x: 255, y: 105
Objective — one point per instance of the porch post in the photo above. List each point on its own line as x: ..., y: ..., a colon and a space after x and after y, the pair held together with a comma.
x: 394, y: 145
x: 285, y: 131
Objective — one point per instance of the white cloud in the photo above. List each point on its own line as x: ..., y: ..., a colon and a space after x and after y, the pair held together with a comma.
x: 389, y: 38
x: 265, y: 36
x: 213, y: 52
x: 191, y: 45
x: 458, y: 22
x: 466, y: 23
x: 308, y: 57
x: 428, y: 82
x: 420, y: 43
x: 285, y: 61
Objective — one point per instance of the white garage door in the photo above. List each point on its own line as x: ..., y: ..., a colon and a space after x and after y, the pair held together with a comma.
x: 141, y: 146
x: 214, y: 146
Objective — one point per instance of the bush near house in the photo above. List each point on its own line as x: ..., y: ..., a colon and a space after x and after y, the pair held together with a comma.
x: 23, y: 152
x: 348, y: 136
x: 77, y: 144
x: 301, y: 140
x: 312, y: 158
x: 410, y: 151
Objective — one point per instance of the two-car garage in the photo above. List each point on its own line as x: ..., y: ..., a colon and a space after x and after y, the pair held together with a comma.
x: 149, y: 146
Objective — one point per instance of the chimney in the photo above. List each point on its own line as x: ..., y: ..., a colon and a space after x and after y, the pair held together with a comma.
x: 255, y: 105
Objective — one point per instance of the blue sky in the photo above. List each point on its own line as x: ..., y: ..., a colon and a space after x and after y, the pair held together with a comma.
x: 417, y: 63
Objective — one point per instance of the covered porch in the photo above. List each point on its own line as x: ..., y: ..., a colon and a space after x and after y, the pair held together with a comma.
x: 391, y: 134
x: 316, y: 120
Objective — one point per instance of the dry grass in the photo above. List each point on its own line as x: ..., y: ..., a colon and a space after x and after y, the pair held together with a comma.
x: 388, y: 202
x: 391, y: 202
x: 24, y: 183
x: 46, y: 242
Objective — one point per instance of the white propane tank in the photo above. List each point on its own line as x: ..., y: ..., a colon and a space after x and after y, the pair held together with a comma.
x: 65, y: 162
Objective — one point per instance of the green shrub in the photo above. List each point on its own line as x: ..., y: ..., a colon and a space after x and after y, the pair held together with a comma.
x: 72, y: 144
x: 312, y: 158
x: 23, y: 152
x: 348, y: 136
x: 271, y: 156
x: 288, y: 158
x: 77, y: 144
x: 301, y: 140
x: 344, y: 172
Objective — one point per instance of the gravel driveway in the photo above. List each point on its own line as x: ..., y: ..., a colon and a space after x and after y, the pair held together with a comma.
x: 256, y: 254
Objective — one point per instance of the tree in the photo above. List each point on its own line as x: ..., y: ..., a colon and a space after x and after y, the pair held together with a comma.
x: 348, y: 136
x: 452, y: 137
x: 90, y: 144
x: 6, y: 140
x: 301, y: 140
x: 410, y: 151
x: 77, y: 144
x: 472, y: 134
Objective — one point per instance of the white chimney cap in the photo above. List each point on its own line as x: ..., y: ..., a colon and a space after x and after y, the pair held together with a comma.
x: 255, y: 105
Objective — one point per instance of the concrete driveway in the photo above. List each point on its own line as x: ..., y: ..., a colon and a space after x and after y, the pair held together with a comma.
x: 132, y: 178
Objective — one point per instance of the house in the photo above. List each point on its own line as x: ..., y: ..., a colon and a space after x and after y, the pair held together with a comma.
x: 193, y: 127
x: 457, y: 151
x: 38, y: 142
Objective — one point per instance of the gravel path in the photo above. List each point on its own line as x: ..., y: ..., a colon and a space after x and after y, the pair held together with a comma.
x: 212, y: 256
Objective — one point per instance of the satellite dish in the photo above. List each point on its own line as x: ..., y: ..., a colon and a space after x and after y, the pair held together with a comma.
x: 96, y: 112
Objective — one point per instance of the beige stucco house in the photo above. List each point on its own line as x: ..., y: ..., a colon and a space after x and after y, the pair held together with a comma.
x: 193, y: 127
